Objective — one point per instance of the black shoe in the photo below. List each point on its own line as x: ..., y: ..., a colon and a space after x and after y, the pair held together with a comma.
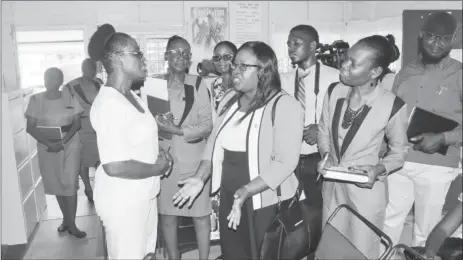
x: 79, y: 234
x: 62, y: 228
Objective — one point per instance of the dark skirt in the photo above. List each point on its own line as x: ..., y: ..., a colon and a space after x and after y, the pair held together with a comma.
x: 243, y: 243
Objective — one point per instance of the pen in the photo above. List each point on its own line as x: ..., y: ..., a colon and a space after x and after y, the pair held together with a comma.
x: 325, y: 158
x: 441, y: 88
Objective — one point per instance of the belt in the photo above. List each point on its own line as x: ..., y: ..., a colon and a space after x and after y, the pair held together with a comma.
x: 307, y: 156
x: 66, y: 128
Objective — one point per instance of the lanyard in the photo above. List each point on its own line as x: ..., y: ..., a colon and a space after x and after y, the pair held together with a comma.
x: 316, y: 87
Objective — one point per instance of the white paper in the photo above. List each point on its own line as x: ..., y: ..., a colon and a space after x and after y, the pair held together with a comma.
x: 343, y: 174
x: 156, y: 88
x: 456, y: 54
x: 245, y: 22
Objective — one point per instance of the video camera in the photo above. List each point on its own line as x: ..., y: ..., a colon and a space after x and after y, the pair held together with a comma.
x: 334, y: 54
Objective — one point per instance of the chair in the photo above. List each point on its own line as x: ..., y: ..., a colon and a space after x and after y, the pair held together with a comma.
x: 409, y: 253
x: 334, y: 245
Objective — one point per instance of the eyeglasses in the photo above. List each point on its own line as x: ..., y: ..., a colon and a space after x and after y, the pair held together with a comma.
x: 177, y: 53
x: 225, y: 57
x: 137, y: 54
x: 432, y: 36
x: 242, y: 67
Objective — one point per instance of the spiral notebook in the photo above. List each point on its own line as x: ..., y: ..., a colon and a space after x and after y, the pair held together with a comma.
x: 344, y: 174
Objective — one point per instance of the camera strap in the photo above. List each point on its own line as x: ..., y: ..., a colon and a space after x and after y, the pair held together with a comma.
x: 316, y: 89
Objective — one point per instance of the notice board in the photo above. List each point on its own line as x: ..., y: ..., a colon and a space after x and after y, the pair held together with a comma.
x: 412, y: 21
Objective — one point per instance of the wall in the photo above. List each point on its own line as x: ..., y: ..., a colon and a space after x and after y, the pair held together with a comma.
x: 349, y: 20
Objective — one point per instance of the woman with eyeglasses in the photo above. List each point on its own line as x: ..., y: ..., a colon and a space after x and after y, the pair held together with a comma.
x: 224, y: 52
x: 251, y: 154
x: 127, y: 181
x: 189, y: 123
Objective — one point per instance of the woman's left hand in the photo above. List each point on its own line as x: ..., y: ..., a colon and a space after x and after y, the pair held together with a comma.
x: 372, y: 175
x: 235, y: 215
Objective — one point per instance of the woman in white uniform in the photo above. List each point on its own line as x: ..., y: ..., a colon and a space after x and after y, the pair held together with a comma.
x: 127, y: 180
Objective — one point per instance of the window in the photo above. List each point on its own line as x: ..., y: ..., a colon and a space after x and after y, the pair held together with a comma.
x: 153, y: 48
x: 40, y: 50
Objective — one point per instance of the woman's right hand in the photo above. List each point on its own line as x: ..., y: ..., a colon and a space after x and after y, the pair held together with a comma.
x: 191, y: 188
x: 165, y: 160
x: 55, y: 147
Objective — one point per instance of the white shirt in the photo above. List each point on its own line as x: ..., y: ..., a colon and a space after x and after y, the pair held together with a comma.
x: 124, y: 133
x: 328, y: 75
x: 234, y: 134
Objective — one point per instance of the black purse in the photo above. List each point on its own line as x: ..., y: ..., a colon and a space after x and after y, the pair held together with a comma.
x: 295, y: 231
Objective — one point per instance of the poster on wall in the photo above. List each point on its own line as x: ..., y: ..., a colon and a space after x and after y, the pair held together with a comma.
x: 209, y: 26
x: 245, y: 22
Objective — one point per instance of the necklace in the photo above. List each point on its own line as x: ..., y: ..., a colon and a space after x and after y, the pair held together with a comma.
x: 349, y: 117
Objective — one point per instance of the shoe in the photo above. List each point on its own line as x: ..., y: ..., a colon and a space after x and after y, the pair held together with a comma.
x: 79, y: 234
x: 89, y: 194
x: 63, y: 228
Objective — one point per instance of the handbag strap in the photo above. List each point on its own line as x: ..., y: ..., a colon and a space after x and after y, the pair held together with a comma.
x: 298, y: 190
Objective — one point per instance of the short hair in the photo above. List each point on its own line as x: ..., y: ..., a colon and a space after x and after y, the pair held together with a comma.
x: 385, y: 51
x: 228, y: 44
x: 308, y: 30
x: 441, y: 23
x: 174, y: 38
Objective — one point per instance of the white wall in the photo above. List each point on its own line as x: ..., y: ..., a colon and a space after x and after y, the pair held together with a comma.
x: 349, y: 20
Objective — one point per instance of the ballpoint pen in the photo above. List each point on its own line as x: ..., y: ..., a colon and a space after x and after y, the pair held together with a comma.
x: 325, y: 158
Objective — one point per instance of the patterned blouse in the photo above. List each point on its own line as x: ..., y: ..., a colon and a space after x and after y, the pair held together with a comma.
x: 218, y: 91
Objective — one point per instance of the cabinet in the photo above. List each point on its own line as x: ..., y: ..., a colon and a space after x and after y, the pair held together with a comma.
x: 23, y: 196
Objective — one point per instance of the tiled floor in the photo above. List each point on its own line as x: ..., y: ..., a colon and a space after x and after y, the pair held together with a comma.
x: 49, y: 244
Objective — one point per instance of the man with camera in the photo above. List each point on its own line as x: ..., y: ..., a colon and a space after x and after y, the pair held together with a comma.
x: 308, y: 84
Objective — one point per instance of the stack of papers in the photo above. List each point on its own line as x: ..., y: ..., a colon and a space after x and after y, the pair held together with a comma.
x: 344, y: 174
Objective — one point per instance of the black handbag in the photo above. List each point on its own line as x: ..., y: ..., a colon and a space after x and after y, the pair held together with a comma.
x: 295, y: 232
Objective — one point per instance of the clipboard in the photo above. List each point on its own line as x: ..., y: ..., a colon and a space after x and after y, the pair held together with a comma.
x: 155, y: 94
x: 53, y: 133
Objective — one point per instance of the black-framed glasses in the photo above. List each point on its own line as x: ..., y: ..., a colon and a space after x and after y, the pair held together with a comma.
x: 242, y: 67
x: 432, y: 36
x: 138, y: 54
x: 224, y: 57
x: 177, y: 53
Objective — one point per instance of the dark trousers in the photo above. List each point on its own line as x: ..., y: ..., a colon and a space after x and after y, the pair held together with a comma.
x: 307, y: 173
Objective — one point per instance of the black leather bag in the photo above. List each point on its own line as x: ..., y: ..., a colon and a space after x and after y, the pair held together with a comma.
x: 295, y: 232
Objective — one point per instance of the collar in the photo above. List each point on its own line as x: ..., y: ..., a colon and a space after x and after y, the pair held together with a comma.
x: 441, y: 65
x: 308, y: 71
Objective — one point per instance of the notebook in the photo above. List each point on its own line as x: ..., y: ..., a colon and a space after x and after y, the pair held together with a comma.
x: 422, y: 121
x: 155, y: 94
x: 344, y: 174
x: 53, y: 133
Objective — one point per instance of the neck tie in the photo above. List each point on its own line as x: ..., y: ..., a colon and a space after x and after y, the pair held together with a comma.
x: 301, y: 89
